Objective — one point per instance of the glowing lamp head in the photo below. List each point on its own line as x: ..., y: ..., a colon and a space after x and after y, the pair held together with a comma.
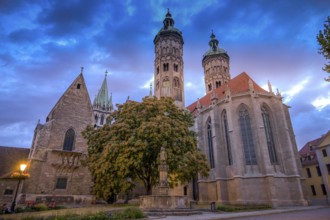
x: 22, y: 167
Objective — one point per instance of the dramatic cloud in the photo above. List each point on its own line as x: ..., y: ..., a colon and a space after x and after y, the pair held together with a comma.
x: 44, y: 44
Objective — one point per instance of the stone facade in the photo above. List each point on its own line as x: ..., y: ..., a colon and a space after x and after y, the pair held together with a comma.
x: 58, y: 148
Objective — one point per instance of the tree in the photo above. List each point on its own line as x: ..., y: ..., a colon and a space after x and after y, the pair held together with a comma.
x: 126, y: 152
x: 323, y: 38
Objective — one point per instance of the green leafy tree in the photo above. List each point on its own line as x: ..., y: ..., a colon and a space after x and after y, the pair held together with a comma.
x: 323, y: 38
x: 126, y: 152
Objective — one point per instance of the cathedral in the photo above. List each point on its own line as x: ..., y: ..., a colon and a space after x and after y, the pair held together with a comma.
x: 244, y: 131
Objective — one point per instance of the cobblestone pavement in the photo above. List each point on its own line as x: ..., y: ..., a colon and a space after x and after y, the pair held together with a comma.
x: 288, y: 213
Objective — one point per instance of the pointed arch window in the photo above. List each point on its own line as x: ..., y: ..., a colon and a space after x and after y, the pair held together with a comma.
x: 165, y: 67
x: 247, y: 137
x: 102, y: 119
x: 176, y: 82
x: 69, y: 140
x: 269, y: 135
x: 210, y: 143
x: 210, y: 87
x: 228, y: 143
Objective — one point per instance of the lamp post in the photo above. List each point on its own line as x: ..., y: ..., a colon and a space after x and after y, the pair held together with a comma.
x: 22, y: 168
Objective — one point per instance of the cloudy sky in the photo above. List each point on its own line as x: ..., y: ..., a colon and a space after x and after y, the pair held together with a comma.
x: 43, y: 44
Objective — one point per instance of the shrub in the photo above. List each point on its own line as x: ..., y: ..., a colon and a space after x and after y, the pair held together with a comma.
x: 229, y: 208
x: 128, y: 213
x: 41, y: 207
x: 19, y: 209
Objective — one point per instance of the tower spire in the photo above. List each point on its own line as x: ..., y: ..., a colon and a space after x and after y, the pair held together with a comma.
x: 102, y: 104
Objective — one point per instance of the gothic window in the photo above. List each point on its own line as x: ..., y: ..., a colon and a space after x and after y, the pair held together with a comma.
x: 78, y: 86
x: 96, y: 118
x: 210, y: 87
x: 177, y: 89
x: 269, y: 135
x: 157, y: 85
x: 176, y: 67
x: 247, y: 137
x: 165, y: 67
x: 228, y: 143
x: 210, y: 143
x: 102, y: 119
x: 217, y: 84
x: 176, y: 82
x: 61, y: 183
x: 69, y: 140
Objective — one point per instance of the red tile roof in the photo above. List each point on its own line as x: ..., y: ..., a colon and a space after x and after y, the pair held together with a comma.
x: 10, y: 158
x: 239, y: 84
x: 307, y: 152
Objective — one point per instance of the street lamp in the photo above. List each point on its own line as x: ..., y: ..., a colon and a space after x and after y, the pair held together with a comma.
x: 20, y: 176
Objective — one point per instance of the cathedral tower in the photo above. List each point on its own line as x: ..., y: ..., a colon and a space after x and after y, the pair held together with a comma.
x: 216, y: 66
x: 168, y: 73
x: 102, y: 105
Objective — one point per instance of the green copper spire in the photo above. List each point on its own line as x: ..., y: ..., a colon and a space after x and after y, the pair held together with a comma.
x: 101, y: 100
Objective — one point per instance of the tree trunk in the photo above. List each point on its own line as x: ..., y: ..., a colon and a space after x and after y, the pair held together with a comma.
x: 149, y: 189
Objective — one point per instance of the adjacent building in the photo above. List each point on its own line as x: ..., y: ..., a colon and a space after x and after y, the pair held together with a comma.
x: 315, y: 160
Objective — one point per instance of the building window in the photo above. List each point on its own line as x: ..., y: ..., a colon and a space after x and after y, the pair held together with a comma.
x: 78, y: 86
x: 328, y: 168
x: 61, y: 183
x: 228, y: 143
x: 324, y: 191
x: 210, y: 87
x: 324, y: 152
x: 176, y: 82
x: 157, y: 70
x: 313, y: 190
x: 217, y: 84
x: 9, y: 192
x: 165, y: 66
x: 247, y: 137
x: 69, y: 140
x: 269, y: 135
x: 309, y: 175
x: 210, y: 143
x: 102, y: 119
x: 176, y: 67
x: 185, y: 191
x: 318, y: 171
